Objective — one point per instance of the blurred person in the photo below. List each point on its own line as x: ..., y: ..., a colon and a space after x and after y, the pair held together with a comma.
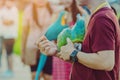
x: 52, y: 33
x: 1, y: 38
x: 61, y: 69
x: 21, y: 5
x: 36, y: 19
x: 9, y: 27
x: 56, y: 9
x: 73, y: 10
x: 99, y: 57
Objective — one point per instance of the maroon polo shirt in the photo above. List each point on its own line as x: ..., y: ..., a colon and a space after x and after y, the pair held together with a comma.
x: 103, y: 33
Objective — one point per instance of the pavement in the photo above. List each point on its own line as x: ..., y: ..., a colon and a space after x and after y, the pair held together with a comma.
x: 21, y: 71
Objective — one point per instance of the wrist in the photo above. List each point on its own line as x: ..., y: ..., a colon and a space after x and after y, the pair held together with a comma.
x: 73, y: 56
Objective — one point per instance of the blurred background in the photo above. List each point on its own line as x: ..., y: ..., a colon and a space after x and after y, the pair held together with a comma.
x: 17, y: 13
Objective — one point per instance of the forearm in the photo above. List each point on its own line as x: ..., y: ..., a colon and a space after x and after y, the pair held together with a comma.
x: 24, y: 38
x: 23, y: 45
x: 94, y: 61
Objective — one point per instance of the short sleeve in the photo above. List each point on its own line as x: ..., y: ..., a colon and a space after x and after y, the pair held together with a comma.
x: 103, y: 35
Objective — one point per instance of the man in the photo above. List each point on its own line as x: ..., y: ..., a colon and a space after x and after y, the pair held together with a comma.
x: 99, y: 57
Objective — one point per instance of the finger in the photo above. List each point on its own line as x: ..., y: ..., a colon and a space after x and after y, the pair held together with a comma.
x: 64, y: 56
x: 63, y: 48
x: 41, y: 44
x: 46, y: 45
x: 47, y: 49
x: 57, y: 55
x: 41, y: 39
x: 42, y: 49
x: 61, y: 57
x: 44, y: 37
x: 69, y: 42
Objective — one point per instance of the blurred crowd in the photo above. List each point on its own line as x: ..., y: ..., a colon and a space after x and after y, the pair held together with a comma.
x: 22, y: 22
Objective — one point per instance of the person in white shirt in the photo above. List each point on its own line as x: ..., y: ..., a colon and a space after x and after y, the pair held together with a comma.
x: 9, y: 27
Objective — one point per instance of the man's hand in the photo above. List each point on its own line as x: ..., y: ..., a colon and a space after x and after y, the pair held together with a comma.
x: 66, y: 50
x: 46, y: 47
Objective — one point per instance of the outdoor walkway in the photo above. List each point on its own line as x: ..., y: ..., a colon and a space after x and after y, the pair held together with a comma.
x: 21, y: 72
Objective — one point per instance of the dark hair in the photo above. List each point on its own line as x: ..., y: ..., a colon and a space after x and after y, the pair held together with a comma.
x: 35, y: 14
x: 114, y: 10
x: 74, y: 10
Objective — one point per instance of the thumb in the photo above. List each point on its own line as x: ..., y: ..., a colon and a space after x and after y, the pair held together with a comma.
x: 43, y: 37
x: 69, y: 42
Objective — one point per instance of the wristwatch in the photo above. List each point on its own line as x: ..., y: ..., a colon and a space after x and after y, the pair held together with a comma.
x: 73, y: 56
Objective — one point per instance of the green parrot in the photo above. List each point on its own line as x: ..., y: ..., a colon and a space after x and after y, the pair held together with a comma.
x: 76, y: 33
